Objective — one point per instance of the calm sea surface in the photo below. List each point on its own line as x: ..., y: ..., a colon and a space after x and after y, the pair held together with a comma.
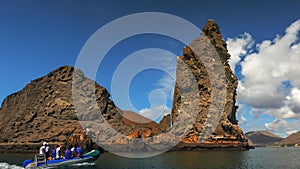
x: 259, y: 158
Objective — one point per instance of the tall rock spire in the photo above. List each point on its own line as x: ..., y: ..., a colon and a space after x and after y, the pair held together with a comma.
x: 199, y: 57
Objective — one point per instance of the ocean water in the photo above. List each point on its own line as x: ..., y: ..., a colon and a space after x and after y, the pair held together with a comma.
x: 259, y: 158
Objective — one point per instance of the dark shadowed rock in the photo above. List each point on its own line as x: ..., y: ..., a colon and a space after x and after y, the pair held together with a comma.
x: 42, y: 111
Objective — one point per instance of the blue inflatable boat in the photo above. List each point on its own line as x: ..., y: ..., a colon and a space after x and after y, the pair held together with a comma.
x: 40, y: 161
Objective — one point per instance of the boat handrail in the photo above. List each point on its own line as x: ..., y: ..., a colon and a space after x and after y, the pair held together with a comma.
x: 40, y: 159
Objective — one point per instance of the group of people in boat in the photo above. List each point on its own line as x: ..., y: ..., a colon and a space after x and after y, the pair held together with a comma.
x: 56, y: 153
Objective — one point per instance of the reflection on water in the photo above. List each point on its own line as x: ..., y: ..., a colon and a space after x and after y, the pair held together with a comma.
x: 14, y: 158
x: 263, y: 158
x: 279, y: 158
x: 176, y: 160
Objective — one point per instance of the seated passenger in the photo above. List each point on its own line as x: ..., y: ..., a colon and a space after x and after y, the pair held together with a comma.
x: 58, y: 150
x: 78, y: 151
x: 47, y: 151
x: 53, y: 153
x: 42, y: 149
x: 68, y: 153
x: 73, y: 150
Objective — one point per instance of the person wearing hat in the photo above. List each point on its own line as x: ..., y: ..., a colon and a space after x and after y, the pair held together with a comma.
x: 43, y: 148
x: 47, y: 151
x: 58, y: 151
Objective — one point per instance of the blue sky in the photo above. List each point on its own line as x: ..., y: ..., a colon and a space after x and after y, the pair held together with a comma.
x: 39, y: 36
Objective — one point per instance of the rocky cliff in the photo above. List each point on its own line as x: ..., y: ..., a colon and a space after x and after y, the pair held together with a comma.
x: 44, y: 111
x: 203, y: 107
x: 207, y: 60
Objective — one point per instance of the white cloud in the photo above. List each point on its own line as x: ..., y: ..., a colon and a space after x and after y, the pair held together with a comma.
x: 295, y: 99
x: 283, y: 127
x: 250, y: 121
x: 241, y: 112
x: 291, y: 132
x: 163, y: 94
x: 242, y: 120
x: 155, y: 113
x: 284, y: 112
x: 261, y: 95
x: 278, y: 125
x: 265, y: 72
x: 238, y: 47
x: 167, y: 82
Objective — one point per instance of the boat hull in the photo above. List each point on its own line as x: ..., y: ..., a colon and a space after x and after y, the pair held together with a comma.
x: 88, y: 157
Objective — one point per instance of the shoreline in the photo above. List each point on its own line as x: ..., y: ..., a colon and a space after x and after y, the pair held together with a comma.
x: 211, y: 147
x: 34, y: 147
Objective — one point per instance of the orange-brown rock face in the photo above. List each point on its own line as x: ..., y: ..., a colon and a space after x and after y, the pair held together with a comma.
x: 197, y: 58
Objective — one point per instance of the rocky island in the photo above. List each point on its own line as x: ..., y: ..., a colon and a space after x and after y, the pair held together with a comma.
x: 268, y: 139
x: 44, y: 110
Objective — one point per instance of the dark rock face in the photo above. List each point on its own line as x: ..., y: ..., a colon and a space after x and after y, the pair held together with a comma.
x: 41, y: 111
x: 198, y: 58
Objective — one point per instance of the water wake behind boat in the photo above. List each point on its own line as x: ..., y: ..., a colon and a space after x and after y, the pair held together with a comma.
x: 84, y: 164
x: 4, y: 165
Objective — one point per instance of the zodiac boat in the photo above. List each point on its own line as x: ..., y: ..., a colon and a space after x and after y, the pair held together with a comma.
x: 41, y: 162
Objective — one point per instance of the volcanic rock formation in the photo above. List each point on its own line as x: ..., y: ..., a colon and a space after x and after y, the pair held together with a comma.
x: 44, y: 111
x: 49, y: 108
x: 207, y: 60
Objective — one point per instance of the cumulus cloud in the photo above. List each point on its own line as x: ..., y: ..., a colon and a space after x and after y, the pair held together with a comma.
x: 295, y: 100
x: 238, y: 47
x: 284, y: 112
x: 241, y: 115
x: 163, y: 94
x: 167, y: 84
x: 260, y: 96
x: 270, y: 79
x: 265, y: 71
x: 250, y: 120
x: 281, y: 126
x: 155, y: 113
